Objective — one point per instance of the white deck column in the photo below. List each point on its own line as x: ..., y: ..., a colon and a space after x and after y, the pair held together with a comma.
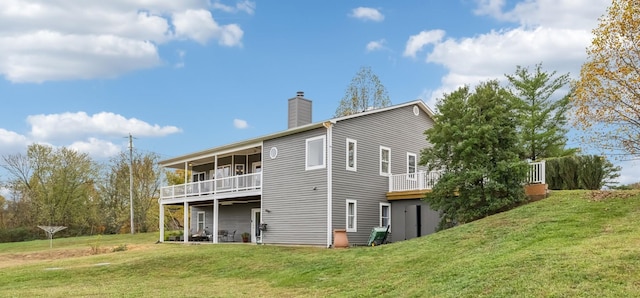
x: 215, y: 221
x: 161, y: 221
x: 186, y: 223
x: 215, y: 173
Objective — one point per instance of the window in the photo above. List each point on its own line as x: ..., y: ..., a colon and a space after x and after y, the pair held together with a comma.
x: 385, y: 161
x: 385, y: 215
x: 352, y: 155
x: 352, y: 216
x: 411, y: 166
x: 200, y: 223
x: 316, y: 153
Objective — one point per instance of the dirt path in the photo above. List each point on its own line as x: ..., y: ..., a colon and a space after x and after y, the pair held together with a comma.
x: 18, y: 259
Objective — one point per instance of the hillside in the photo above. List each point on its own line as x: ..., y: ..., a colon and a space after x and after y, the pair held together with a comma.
x: 570, y: 244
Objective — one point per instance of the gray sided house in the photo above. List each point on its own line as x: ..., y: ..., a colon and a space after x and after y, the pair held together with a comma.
x: 299, y: 185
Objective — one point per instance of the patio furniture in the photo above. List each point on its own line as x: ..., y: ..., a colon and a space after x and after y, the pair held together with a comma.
x: 222, y: 235
x: 201, y: 235
x: 231, y: 236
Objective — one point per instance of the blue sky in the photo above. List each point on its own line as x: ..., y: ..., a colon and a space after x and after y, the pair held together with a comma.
x: 183, y: 76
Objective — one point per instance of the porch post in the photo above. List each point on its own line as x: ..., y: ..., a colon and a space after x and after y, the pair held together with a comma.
x: 215, y: 173
x: 186, y: 224
x: 215, y: 221
x: 186, y: 174
x: 161, y: 221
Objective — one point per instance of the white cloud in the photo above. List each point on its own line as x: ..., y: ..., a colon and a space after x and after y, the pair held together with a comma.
x: 240, y: 124
x: 11, y: 142
x: 566, y: 14
x: 45, y: 40
x: 96, y: 148
x: 418, y: 41
x: 246, y: 6
x: 96, y: 135
x: 74, y: 125
x: 200, y: 26
x: 376, y: 45
x: 367, y: 14
x: 555, y: 33
x: 630, y: 172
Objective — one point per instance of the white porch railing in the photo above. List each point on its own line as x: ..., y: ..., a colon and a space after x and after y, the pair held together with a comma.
x: 213, y: 186
x: 537, y: 173
x: 413, y: 181
x: 426, y: 180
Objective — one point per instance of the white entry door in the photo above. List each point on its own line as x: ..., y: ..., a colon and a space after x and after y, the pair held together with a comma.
x: 256, y: 234
x: 256, y: 168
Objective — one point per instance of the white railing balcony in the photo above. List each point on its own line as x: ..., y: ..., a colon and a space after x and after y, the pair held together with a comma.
x: 413, y: 181
x: 426, y: 180
x: 240, y: 183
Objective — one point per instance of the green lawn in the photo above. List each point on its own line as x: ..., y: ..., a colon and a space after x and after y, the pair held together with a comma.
x: 566, y: 245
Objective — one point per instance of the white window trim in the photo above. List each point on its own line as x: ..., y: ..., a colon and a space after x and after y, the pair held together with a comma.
x: 355, y: 216
x: 355, y: 155
x: 387, y: 205
x: 415, y: 166
x: 388, y: 162
x: 324, y: 153
x: 203, y: 222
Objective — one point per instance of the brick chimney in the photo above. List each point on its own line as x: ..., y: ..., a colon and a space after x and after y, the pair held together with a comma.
x: 299, y: 110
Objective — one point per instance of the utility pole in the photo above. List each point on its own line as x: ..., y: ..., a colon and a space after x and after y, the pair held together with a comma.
x: 131, y: 180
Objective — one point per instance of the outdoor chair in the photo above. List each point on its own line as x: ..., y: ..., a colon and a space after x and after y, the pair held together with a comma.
x: 199, y: 236
x: 232, y: 236
x: 222, y: 235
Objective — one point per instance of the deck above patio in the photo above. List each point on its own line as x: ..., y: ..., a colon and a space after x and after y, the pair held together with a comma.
x: 415, y: 185
x: 228, y: 187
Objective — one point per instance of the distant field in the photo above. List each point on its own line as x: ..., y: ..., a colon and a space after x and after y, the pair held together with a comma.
x: 571, y: 244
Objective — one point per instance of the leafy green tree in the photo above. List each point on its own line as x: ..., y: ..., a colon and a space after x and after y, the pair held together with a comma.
x: 596, y: 172
x: 475, y: 144
x: 176, y: 177
x: 542, y: 118
x: 364, y: 93
x: 115, y: 192
x: 57, y: 184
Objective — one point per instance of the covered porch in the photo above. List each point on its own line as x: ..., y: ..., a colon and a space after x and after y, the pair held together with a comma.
x: 220, y: 196
x: 215, y: 221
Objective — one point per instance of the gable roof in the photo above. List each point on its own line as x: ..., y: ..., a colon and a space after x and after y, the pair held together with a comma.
x: 249, y: 143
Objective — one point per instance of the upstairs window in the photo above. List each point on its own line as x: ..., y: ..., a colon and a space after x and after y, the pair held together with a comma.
x: 411, y: 166
x: 315, y: 153
x: 352, y: 155
x: 385, y: 161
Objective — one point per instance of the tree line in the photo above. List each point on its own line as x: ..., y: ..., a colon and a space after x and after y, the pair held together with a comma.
x: 63, y: 187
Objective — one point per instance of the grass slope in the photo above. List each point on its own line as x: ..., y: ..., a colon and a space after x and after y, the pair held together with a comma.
x: 571, y: 244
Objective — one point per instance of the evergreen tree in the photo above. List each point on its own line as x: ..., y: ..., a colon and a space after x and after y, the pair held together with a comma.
x: 475, y: 144
x: 542, y: 119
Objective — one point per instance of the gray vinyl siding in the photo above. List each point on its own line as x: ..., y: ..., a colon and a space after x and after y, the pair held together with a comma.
x: 294, y: 201
x: 398, y: 129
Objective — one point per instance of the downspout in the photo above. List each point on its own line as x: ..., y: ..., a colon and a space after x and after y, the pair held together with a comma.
x: 329, y: 126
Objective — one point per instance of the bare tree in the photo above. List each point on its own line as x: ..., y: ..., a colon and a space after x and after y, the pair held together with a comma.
x: 364, y: 93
